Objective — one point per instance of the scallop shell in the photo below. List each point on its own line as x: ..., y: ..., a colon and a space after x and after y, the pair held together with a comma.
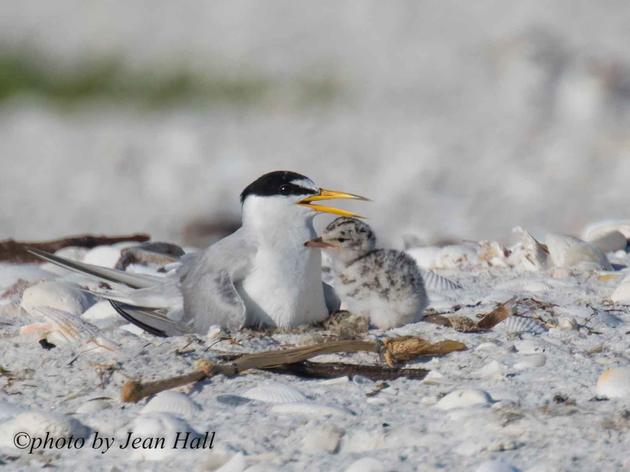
x: 64, y: 328
x: 530, y: 361
x: 568, y: 252
x: 172, y: 402
x: 93, y: 406
x: 614, y: 383
x: 596, y: 230
x: 464, y: 398
x: 310, y: 409
x: 622, y: 292
x: 520, y: 324
x: 323, y: 438
x: 436, y: 283
x: 104, y: 256
x: 59, y: 295
x: 156, y: 425
x: 274, y: 392
x: 11, y: 273
x: 38, y: 423
x: 610, y: 242
x: 102, y: 315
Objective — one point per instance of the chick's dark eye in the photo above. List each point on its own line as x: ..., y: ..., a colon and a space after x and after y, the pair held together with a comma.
x: 284, y: 189
x: 342, y: 240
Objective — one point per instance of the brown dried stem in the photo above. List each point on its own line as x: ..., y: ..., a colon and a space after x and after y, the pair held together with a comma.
x: 394, y: 350
x: 14, y: 251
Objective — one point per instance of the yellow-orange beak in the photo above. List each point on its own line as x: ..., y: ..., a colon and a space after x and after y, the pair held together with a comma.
x: 325, y: 194
x: 319, y: 243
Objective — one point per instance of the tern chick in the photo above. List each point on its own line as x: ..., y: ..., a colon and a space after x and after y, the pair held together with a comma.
x: 383, y: 285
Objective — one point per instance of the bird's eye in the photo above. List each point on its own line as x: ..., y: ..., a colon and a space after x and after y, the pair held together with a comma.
x: 342, y: 240
x: 284, y: 189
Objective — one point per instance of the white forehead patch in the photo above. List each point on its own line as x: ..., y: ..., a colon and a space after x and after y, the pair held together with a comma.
x: 306, y: 183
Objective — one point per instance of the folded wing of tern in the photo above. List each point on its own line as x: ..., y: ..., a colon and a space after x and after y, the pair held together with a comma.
x: 200, y: 293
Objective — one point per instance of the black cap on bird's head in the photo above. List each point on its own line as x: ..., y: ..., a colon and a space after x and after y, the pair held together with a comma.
x: 291, y: 184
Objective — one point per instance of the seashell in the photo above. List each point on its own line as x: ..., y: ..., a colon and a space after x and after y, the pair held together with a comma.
x: 274, y: 392
x: 103, y: 316
x: 533, y: 255
x: 10, y: 410
x: 567, y: 324
x: 93, y: 406
x: 492, y: 370
x: 457, y: 255
x: 622, y: 292
x: 38, y: 423
x: 434, y: 378
x: 156, y: 425
x: 172, y: 402
x: 436, y: 283
x: 531, y: 361
x: 215, y: 333
x: 492, y: 253
x: 610, y: 242
x: 363, y: 440
x: 367, y: 464
x: 310, y: 409
x: 59, y: 295
x: 529, y: 346
x: 569, y: 252
x: 64, y: 328
x: 464, y: 398
x: 519, y: 324
x: 72, y: 252
x: 232, y: 400
x: 599, y: 229
x: 614, y: 383
x: 325, y: 438
x: 104, y: 256
x: 10, y: 273
x: 425, y: 257
x: 496, y: 466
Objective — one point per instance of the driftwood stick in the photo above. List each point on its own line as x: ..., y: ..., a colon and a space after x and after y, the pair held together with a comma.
x: 330, y: 370
x: 395, y: 349
x: 13, y: 251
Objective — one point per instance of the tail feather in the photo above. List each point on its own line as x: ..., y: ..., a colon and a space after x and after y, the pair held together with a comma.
x: 149, y: 319
x: 104, y: 273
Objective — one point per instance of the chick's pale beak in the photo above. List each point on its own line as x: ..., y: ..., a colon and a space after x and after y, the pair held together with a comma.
x: 319, y: 243
x: 325, y: 194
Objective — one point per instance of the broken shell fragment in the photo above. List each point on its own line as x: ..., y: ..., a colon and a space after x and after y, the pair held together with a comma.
x: 568, y: 252
x: 614, y: 383
x: 464, y: 398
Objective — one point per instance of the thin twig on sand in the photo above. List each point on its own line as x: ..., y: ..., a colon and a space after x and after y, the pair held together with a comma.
x: 14, y: 251
x: 393, y: 350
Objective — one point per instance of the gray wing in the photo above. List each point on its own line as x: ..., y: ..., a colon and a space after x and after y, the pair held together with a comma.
x: 208, y: 284
x: 333, y: 303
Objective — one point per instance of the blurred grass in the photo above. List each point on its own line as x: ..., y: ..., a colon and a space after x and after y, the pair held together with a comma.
x: 107, y: 79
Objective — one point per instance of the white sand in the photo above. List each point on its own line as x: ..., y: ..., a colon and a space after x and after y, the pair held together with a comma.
x: 543, y: 414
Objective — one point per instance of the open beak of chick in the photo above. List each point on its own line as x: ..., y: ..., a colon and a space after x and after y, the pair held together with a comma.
x: 325, y: 194
x: 321, y: 244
